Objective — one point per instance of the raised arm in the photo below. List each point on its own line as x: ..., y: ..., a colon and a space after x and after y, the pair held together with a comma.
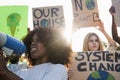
x: 5, y: 74
x: 8, y: 75
x: 112, y: 44
x: 114, y: 27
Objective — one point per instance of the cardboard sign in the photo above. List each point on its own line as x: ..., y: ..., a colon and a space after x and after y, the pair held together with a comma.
x: 14, y: 20
x: 100, y: 65
x: 85, y: 13
x: 48, y: 17
x: 116, y: 3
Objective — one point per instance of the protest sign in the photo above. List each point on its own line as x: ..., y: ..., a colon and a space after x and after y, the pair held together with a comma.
x: 98, y: 65
x: 14, y: 20
x: 85, y: 13
x: 51, y: 16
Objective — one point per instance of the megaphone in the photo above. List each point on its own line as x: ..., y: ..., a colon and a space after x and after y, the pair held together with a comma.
x: 11, y: 45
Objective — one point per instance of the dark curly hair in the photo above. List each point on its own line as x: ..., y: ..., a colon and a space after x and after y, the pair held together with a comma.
x: 58, y: 50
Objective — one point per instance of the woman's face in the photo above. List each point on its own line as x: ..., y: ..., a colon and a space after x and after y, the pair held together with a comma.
x: 38, y: 49
x: 93, y: 43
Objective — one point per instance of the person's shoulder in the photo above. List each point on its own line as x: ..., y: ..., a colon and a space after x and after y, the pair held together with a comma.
x: 22, y: 72
x: 112, y: 47
x: 58, y: 67
x: 55, y: 65
x: 51, y: 67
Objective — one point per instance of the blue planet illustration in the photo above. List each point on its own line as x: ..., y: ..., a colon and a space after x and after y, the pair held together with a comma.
x: 90, y: 4
x: 100, y: 75
x: 44, y: 23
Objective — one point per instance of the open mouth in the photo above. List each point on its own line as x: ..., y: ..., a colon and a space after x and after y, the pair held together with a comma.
x: 33, y: 49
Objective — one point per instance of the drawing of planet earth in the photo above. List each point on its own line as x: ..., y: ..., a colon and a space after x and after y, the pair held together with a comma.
x: 90, y: 4
x: 100, y: 75
x: 44, y: 23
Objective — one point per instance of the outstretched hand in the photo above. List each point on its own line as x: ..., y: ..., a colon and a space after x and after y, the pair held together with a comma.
x: 112, y: 10
x: 101, y: 27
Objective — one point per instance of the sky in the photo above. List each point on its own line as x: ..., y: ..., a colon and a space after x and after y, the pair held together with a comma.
x: 77, y: 37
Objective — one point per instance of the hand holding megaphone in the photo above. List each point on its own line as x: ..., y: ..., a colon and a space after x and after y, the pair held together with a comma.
x: 11, y: 44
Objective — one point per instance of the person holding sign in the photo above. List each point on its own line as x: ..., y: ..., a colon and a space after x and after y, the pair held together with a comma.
x: 114, y: 27
x: 49, y: 54
x: 93, y: 43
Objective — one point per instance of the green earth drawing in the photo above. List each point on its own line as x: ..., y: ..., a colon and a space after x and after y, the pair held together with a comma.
x: 44, y: 23
x: 90, y: 4
x: 100, y: 75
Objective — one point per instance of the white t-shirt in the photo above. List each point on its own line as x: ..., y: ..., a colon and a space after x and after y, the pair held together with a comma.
x: 16, y: 67
x: 46, y: 71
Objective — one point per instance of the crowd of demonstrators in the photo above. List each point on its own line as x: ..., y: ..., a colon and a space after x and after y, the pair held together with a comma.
x: 48, y: 53
x: 92, y: 42
x: 114, y: 26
